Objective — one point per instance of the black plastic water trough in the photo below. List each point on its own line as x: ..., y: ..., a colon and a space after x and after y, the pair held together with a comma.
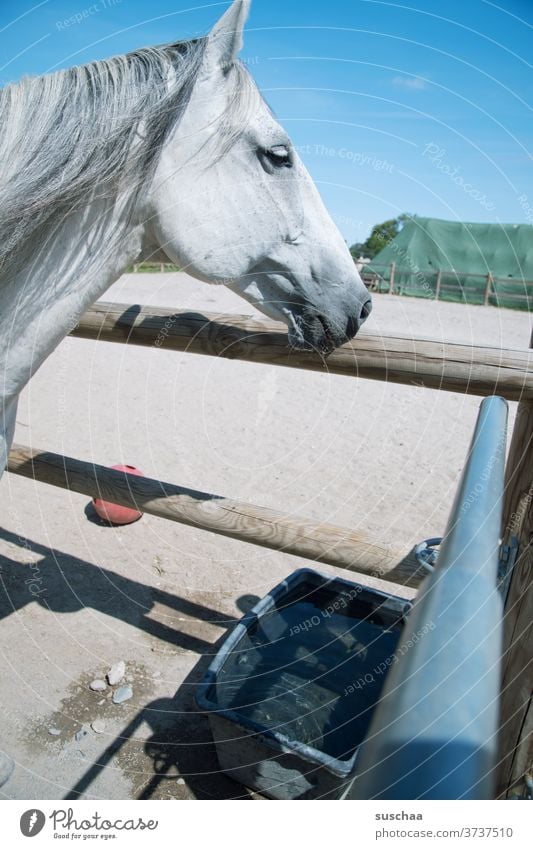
x: 291, y: 693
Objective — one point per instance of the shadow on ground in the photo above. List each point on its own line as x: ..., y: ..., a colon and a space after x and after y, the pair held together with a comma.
x: 180, y: 746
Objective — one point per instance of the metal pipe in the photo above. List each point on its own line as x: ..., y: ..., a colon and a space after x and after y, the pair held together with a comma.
x: 433, y: 735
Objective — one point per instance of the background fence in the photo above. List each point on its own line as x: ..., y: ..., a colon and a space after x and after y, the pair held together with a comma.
x: 457, y: 286
x: 450, y: 285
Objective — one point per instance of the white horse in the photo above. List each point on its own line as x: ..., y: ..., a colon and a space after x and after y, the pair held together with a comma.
x: 166, y: 151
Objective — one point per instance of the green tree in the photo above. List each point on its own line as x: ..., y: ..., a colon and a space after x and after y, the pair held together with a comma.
x: 380, y: 236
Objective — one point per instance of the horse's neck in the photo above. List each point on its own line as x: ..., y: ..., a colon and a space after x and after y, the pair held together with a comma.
x: 41, y: 301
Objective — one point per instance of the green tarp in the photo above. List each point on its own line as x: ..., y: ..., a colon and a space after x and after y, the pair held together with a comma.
x: 426, y: 246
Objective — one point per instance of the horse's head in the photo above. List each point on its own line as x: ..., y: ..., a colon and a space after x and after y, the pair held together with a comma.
x: 231, y: 202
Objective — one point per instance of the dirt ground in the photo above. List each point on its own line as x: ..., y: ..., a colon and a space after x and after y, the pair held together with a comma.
x: 76, y: 596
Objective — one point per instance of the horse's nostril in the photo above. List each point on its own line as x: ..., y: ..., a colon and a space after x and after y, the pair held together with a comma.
x: 352, y: 327
x: 366, y: 310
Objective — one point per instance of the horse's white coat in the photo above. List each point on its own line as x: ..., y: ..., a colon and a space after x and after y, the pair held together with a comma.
x: 231, y: 205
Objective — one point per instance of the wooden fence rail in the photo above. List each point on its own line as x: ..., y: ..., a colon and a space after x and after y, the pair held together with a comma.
x: 473, y: 369
x: 273, y: 529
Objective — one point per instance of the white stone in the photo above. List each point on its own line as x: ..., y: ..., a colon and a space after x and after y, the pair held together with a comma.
x: 123, y: 694
x: 81, y: 734
x: 116, y: 673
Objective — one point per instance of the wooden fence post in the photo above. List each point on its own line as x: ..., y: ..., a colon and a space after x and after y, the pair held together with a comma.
x: 438, y: 284
x: 487, y: 289
x: 392, y: 272
x: 516, y: 728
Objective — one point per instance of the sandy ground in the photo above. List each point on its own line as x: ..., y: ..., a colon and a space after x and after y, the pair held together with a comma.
x: 76, y: 596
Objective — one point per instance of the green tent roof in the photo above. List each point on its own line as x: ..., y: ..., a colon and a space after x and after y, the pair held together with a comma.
x: 506, y: 250
x: 425, y: 246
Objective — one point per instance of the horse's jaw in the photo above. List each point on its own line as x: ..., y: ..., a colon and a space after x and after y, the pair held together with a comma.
x: 301, y: 300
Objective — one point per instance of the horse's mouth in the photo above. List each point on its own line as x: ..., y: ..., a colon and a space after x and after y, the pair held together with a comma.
x: 313, y: 333
x: 298, y: 344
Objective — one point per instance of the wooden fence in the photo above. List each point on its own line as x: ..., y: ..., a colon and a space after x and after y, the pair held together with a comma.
x: 479, y: 370
x: 450, y: 285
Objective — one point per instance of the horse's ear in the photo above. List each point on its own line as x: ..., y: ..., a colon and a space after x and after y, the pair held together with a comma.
x: 225, y: 39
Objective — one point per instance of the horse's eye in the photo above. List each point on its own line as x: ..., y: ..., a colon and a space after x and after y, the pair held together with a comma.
x: 278, y: 156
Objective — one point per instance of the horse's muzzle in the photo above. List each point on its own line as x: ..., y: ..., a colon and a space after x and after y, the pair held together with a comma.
x: 354, y: 324
x: 318, y: 333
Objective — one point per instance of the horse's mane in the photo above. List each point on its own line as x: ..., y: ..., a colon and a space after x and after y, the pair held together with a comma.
x: 66, y: 135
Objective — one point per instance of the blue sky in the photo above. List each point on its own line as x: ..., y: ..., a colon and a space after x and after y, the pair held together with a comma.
x: 417, y: 106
